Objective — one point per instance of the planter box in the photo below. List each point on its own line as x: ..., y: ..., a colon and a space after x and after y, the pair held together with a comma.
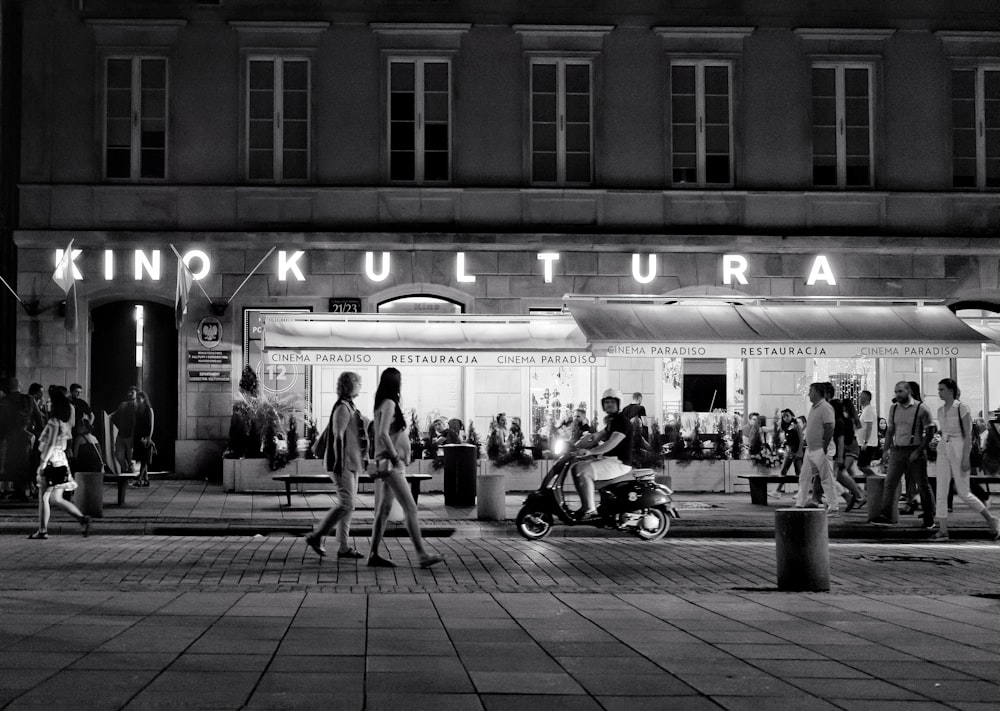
x: 518, y: 478
x: 697, y: 475
x: 248, y: 475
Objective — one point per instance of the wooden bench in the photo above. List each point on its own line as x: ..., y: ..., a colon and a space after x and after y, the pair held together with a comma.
x: 290, y: 479
x: 122, y: 480
x: 759, y: 482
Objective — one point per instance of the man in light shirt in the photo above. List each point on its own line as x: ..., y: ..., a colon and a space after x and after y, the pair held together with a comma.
x: 818, y: 438
x: 868, y: 434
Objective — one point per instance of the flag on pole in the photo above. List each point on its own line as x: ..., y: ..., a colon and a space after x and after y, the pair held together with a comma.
x: 184, y: 281
x: 65, y: 274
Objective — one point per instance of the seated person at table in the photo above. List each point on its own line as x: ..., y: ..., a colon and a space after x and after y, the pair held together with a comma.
x: 615, y: 443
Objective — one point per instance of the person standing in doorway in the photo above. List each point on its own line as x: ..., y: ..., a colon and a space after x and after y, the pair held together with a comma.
x: 392, y: 454
x: 20, y: 423
x: 54, y: 476
x: 344, y: 448
x: 907, y: 436
x: 953, y: 464
x: 818, y: 440
x: 84, y: 413
x: 124, y: 419
x: 143, y: 448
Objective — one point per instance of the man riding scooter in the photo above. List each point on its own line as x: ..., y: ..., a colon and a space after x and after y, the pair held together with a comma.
x: 613, y: 447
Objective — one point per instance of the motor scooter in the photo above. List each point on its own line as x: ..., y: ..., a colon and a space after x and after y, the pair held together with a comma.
x: 634, y: 502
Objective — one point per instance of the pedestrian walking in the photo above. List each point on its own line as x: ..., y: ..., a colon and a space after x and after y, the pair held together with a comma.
x: 124, y: 419
x: 907, y: 436
x: 54, y: 476
x: 847, y: 452
x: 792, y: 432
x: 867, y: 434
x: 819, y: 440
x: 953, y: 463
x: 344, y: 448
x: 392, y: 454
x: 143, y: 447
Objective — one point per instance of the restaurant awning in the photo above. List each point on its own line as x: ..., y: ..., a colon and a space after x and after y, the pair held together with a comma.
x: 740, y: 330
x: 337, y: 339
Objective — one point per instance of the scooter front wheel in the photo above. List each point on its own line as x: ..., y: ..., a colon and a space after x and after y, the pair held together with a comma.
x: 533, y: 524
x: 653, y: 523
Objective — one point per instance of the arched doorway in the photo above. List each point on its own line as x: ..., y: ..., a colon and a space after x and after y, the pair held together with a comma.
x: 135, y: 343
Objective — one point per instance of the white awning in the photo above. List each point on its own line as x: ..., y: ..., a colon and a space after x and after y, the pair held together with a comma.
x: 726, y: 330
x: 336, y: 339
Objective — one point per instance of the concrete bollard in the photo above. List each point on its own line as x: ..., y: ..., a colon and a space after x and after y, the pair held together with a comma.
x: 90, y: 493
x: 491, y: 497
x: 874, y: 492
x: 801, y: 544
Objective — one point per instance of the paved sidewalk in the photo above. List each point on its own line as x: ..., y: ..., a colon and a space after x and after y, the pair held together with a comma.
x: 171, y: 622
x: 185, y: 507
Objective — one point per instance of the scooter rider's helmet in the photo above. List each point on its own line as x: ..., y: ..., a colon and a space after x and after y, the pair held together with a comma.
x: 612, y: 394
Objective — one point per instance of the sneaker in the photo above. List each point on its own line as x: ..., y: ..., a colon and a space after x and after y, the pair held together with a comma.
x: 930, y: 526
x: 774, y: 494
x: 940, y: 536
x: 995, y: 528
x: 880, y: 521
x: 832, y: 513
x: 813, y: 504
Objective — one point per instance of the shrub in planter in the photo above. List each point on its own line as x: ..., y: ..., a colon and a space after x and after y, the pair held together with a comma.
x: 259, y: 424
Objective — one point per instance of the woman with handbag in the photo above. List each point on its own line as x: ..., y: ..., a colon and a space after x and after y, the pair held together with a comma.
x: 54, y: 476
x: 143, y: 448
x: 344, y: 448
x: 392, y: 454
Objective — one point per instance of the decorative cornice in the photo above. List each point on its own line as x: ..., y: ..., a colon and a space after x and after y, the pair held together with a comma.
x: 440, y: 29
x: 254, y: 26
x: 967, y: 36
x: 834, y: 34
x: 589, y: 31
x: 708, y: 33
x: 127, y: 31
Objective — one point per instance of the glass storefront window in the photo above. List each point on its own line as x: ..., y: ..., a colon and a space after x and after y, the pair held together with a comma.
x: 849, y: 376
x: 555, y: 394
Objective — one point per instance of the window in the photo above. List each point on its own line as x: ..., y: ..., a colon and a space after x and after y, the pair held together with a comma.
x: 842, y: 125
x: 561, y: 121
x: 701, y: 121
x: 975, y: 117
x: 419, y: 120
x: 135, y: 124
x: 277, y: 118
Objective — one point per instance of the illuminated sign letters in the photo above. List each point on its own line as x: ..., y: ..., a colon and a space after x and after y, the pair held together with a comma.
x: 734, y: 267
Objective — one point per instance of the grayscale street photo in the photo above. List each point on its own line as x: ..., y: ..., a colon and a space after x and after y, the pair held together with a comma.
x: 466, y: 355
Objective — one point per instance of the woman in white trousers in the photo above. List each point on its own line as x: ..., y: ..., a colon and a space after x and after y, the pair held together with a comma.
x: 955, y: 422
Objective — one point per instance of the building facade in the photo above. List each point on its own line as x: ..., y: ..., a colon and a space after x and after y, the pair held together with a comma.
x: 489, y: 158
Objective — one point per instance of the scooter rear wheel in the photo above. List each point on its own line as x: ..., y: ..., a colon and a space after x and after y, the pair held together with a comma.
x: 533, y: 524
x: 653, y: 524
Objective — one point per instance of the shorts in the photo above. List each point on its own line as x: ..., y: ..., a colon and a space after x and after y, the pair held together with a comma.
x: 608, y: 468
x: 54, y: 476
x: 868, y: 455
x: 852, y: 450
x: 384, y: 467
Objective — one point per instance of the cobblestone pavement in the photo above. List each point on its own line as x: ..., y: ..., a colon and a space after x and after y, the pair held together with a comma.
x: 148, y: 622
x: 282, y: 563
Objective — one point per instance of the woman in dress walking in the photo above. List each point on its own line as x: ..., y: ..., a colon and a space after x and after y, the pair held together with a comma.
x: 143, y: 449
x: 344, y: 448
x: 392, y: 454
x: 54, y: 476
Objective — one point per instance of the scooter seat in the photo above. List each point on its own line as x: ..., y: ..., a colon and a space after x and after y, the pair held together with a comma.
x: 627, y: 476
